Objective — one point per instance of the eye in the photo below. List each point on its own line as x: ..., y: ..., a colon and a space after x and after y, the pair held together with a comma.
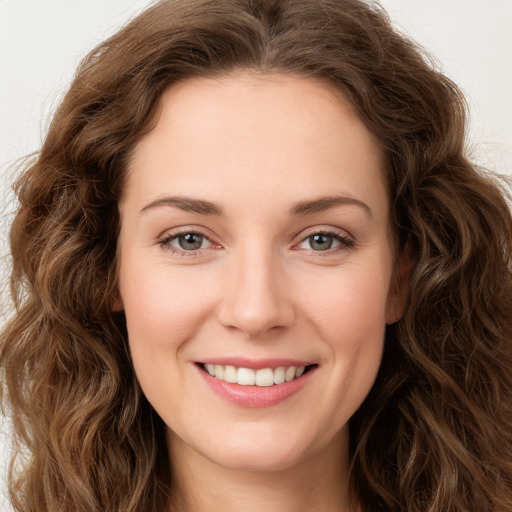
x: 325, y: 241
x: 320, y: 242
x: 187, y: 242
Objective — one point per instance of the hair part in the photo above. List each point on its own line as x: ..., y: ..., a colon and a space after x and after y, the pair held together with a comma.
x: 434, y: 434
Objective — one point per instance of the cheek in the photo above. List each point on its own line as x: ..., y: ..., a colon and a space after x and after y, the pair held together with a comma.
x: 353, y: 300
x: 163, y: 308
x: 349, y: 318
x: 354, y: 324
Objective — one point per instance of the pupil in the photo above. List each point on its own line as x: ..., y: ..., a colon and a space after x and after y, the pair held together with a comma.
x: 190, y: 241
x: 321, y: 242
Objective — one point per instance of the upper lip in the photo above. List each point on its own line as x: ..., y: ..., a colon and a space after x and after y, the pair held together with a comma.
x: 255, y: 364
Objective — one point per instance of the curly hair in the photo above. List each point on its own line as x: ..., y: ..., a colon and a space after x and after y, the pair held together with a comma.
x: 435, y: 432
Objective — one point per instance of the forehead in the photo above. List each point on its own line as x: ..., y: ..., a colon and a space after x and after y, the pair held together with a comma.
x: 274, y: 135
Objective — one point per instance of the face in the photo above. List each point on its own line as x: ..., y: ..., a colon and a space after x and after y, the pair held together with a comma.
x: 255, y: 246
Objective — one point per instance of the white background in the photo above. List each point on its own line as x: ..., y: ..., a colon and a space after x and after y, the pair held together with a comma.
x: 42, y: 41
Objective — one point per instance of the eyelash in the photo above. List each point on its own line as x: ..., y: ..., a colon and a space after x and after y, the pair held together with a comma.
x: 345, y: 242
x: 165, y: 243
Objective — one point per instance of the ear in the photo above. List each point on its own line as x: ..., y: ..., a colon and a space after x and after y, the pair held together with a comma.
x: 399, y: 288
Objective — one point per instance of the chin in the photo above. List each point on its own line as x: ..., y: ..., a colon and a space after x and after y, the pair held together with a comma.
x: 251, y: 460
x: 258, y: 451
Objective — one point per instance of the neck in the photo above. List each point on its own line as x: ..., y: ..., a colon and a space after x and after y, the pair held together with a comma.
x: 319, y: 482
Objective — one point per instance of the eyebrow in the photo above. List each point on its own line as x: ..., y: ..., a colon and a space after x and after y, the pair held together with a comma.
x: 187, y: 204
x: 302, y: 208
x: 320, y: 204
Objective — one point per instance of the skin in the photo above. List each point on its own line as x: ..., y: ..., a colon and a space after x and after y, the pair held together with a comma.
x: 256, y: 146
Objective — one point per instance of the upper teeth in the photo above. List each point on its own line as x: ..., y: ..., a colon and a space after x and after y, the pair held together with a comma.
x: 249, y: 377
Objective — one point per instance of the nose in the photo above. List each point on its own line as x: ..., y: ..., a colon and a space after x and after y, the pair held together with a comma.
x: 256, y: 297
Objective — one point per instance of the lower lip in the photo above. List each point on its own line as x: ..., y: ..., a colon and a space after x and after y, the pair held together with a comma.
x: 256, y: 396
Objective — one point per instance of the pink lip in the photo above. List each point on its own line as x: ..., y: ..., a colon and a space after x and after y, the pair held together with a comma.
x: 255, y: 396
x: 255, y: 364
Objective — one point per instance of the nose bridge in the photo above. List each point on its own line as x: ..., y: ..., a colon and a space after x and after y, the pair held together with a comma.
x: 255, y: 297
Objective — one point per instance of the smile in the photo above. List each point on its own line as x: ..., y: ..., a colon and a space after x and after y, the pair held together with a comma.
x: 264, y: 377
x: 265, y: 385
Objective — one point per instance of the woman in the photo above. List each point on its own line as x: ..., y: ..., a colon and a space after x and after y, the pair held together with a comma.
x: 253, y: 269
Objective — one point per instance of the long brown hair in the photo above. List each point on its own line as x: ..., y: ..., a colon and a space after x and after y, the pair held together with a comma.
x: 435, y: 433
